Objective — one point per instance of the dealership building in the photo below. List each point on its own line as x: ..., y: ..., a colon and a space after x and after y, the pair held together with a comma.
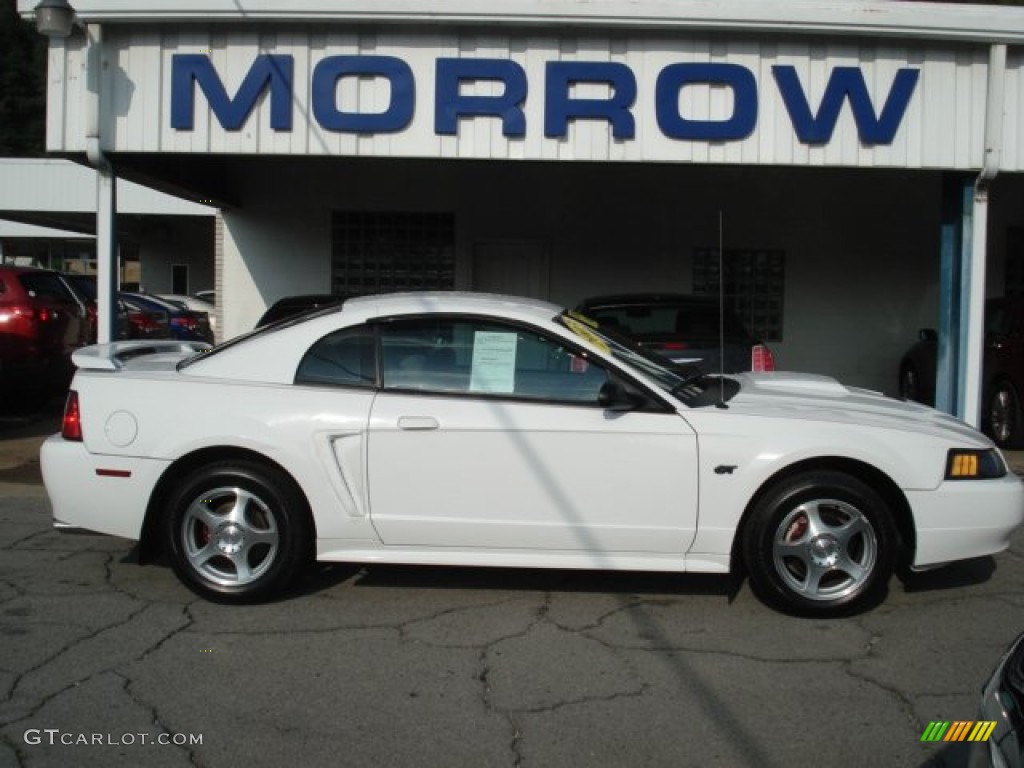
x: 852, y: 169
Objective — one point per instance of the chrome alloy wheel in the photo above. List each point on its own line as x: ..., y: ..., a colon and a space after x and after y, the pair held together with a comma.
x: 229, y: 536
x: 825, y: 549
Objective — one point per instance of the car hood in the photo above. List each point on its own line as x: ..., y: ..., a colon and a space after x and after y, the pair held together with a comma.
x: 822, y: 398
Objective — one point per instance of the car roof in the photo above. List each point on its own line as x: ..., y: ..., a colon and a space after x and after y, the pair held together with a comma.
x: 22, y: 269
x: 245, y: 357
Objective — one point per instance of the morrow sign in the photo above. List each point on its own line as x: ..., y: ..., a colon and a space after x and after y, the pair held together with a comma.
x: 273, y: 74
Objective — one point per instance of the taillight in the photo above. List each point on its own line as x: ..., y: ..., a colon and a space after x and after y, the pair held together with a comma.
x: 674, y: 345
x: 189, y: 323
x: 71, y: 425
x: 143, y: 321
x: 20, y: 319
x: 761, y: 358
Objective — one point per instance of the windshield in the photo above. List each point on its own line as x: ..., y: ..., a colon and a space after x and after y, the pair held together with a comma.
x: 688, y: 383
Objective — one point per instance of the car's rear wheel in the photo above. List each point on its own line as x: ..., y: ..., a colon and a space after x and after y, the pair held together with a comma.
x: 237, y: 531
x: 1003, y: 414
x: 820, y: 543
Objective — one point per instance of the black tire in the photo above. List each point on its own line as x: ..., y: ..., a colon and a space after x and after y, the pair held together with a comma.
x: 1003, y: 418
x: 237, y: 531
x: 842, y: 568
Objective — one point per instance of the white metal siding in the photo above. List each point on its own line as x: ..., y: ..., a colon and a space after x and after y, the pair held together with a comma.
x: 943, y: 126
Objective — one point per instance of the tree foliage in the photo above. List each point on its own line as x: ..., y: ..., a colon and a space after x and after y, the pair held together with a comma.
x: 22, y: 85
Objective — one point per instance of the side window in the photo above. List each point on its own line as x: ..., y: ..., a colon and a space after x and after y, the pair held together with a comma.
x: 487, y: 358
x: 345, y: 358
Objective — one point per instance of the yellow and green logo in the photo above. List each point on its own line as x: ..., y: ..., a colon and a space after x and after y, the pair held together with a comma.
x: 958, y: 730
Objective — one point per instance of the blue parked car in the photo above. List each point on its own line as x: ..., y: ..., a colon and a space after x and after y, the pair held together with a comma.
x: 183, y: 323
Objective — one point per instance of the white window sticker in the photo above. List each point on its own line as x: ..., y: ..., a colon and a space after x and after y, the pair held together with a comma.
x: 494, y: 362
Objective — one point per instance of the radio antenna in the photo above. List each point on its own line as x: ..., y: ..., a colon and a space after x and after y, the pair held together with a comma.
x: 721, y: 311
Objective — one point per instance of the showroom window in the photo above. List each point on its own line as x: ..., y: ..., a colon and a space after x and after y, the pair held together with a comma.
x: 755, y: 281
x: 383, y: 252
x: 485, y: 357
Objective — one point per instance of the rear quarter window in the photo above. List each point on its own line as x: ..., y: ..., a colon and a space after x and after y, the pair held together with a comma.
x: 345, y: 358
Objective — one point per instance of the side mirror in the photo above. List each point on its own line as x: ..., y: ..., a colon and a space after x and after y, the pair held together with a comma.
x: 615, y: 397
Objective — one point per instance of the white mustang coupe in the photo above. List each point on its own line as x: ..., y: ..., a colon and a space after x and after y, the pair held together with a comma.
x: 463, y: 429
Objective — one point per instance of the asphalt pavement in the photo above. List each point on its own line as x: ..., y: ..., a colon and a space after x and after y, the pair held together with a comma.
x: 104, y: 662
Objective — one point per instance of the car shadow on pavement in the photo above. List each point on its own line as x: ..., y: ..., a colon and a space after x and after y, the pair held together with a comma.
x: 964, y: 573
x: 519, y: 579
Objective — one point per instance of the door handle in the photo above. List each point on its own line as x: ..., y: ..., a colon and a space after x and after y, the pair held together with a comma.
x: 418, y: 422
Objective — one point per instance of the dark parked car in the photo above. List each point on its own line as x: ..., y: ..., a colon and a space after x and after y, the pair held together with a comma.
x: 42, y: 321
x: 132, y: 323
x: 1002, y: 371
x: 686, y: 329
x: 1002, y: 703
x: 291, y: 306
x: 182, y: 323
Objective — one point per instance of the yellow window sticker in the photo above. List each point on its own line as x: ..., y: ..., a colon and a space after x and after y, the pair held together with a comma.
x: 581, y: 330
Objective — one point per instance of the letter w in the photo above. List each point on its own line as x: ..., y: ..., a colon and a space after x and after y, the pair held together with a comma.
x: 270, y: 70
x: 845, y: 83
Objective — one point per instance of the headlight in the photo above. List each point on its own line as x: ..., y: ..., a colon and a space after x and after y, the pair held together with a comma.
x: 963, y: 464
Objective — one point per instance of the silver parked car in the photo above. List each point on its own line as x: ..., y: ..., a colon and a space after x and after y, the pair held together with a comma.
x: 194, y: 304
x: 1002, y: 702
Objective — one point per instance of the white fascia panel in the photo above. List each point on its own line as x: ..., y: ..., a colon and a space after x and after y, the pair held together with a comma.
x: 942, y: 21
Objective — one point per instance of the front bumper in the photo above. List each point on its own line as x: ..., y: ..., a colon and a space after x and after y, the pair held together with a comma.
x: 966, y: 518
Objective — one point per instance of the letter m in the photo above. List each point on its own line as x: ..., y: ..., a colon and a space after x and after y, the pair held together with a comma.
x: 188, y: 69
x: 845, y: 84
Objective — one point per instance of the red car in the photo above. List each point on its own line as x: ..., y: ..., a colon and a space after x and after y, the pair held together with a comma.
x: 42, y: 321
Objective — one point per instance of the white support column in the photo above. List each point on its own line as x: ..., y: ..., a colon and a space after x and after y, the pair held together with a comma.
x: 106, y: 253
x: 106, y: 192
x: 974, y: 346
x: 974, y: 317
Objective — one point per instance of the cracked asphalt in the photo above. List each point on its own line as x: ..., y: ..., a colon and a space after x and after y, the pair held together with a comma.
x: 102, y: 659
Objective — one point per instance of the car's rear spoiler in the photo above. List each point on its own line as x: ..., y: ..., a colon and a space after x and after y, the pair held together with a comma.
x: 113, y: 356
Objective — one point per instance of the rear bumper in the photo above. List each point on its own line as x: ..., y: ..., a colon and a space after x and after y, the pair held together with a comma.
x: 83, y: 500
x: 965, y: 519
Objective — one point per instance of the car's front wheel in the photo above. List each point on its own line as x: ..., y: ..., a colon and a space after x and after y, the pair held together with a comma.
x: 237, y: 531
x: 820, y: 543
